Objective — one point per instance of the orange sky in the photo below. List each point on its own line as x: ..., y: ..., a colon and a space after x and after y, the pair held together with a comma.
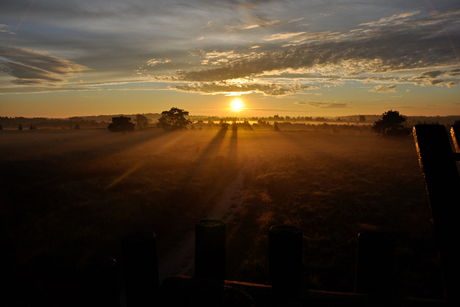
x: 312, y: 58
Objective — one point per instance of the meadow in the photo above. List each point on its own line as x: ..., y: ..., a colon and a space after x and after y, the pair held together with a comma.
x: 70, y: 194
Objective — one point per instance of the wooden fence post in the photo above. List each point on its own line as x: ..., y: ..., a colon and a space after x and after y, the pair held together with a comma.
x: 97, y: 282
x: 210, y: 249
x: 374, y: 263
x: 140, y: 265
x: 285, y: 256
x: 442, y: 181
x: 455, y: 133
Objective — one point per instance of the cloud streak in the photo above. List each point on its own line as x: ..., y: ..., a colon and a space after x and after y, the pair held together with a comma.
x: 31, y: 67
x: 384, y: 88
x: 214, y: 88
x: 323, y: 105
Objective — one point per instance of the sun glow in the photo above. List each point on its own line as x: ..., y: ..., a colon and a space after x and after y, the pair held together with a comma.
x: 236, y: 105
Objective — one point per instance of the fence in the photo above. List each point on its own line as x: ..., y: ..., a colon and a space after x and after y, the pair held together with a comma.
x: 373, y: 279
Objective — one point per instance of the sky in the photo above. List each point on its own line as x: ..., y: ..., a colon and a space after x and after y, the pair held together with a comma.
x: 291, y: 57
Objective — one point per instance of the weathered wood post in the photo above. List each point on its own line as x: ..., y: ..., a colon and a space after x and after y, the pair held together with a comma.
x: 374, y: 263
x: 210, y: 249
x: 455, y: 133
x: 140, y: 263
x: 442, y: 181
x: 285, y: 256
x: 97, y: 282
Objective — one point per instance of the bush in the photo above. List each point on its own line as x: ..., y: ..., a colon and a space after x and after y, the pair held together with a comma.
x: 121, y: 124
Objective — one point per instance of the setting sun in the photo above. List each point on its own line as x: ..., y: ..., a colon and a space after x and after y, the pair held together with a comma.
x: 236, y: 105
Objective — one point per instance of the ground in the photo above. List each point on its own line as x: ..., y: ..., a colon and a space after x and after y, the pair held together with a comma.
x: 69, y: 194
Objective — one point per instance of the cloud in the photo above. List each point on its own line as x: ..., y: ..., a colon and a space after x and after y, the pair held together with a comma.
x: 396, y: 18
x: 384, y: 88
x: 453, y: 73
x: 250, y: 27
x: 436, y: 82
x: 323, y: 105
x: 153, y: 62
x: 214, y: 88
x: 28, y: 74
x: 334, y: 84
x: 36, y: 67
x: 283, y: 36
x: 5, y: 29
x: 294, y: 40
x: 295, y: 20
x: 371, y: 79
x: 350, y: 53
x: 431, y: 74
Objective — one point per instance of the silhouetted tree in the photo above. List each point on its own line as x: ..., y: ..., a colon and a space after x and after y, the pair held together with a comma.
x: 224, y: 126
x: 121, y: 124
x: 142, y: 121
x: 20, y: 127
x: 391, y: 124
x: 362, y: 119
x: 247, y: 125
x: 276, y: 128
x: 173, y: 119
x: 1, y: 127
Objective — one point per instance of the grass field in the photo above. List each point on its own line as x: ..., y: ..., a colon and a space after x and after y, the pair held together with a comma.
x: 69, y: 194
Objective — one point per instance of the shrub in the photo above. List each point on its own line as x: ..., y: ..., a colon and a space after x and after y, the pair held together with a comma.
x: 121, y: 124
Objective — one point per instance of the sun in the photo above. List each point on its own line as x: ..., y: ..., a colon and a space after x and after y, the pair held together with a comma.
x: 236, y: 105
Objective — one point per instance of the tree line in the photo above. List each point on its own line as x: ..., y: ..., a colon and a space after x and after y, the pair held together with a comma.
x: 391, y: 123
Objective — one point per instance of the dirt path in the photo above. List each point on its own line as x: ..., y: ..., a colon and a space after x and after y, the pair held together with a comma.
x: 180, y: 260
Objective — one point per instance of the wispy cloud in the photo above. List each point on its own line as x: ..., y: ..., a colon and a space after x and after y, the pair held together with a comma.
x: 431, y: 74
x: 36, y: 67
x: 384, y: 88
x: 153, y: 62
x: 5, y: 29
x: 351, y: 53
x: 214, y: 88
x: 394, y: 19
x: 283, y: 36
x: 323, y: 105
